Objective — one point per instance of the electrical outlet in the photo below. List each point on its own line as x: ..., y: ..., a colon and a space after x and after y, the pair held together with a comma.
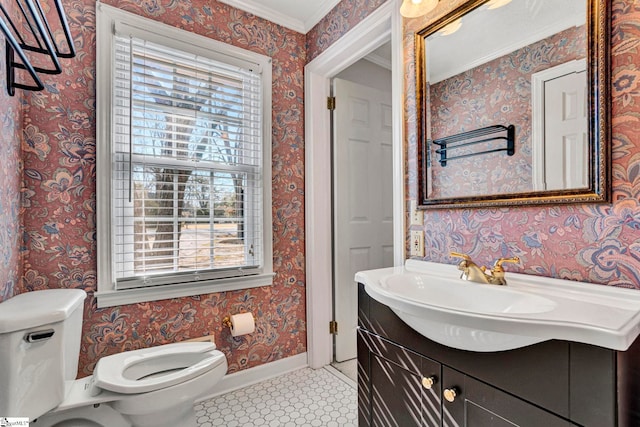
x: 417, y: 244
x: 416, y: 216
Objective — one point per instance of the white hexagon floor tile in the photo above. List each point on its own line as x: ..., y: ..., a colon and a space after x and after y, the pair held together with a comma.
x: 306, y: 397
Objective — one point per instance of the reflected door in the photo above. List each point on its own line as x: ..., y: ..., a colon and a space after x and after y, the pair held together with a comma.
x: 560, y: 127
x: 566, y: 132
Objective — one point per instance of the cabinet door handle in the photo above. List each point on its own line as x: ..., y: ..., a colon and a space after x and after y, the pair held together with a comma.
x: 450, y: 393
x: 428, y: 382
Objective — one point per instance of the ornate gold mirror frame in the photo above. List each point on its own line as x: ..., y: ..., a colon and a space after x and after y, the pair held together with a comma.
x: 598, y: 81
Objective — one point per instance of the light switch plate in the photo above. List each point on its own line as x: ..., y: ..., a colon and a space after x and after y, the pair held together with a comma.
x: 417, y: 244
x: 416, y: 217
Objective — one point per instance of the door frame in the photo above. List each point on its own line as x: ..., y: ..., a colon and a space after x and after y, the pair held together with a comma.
x: 382, y: 25
x: 537, y: 119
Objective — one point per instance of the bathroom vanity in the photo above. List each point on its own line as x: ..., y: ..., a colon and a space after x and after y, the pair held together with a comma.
x: 407, y: 379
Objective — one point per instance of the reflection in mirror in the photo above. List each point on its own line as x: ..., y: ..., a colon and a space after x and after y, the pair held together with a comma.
x: 521, y: 65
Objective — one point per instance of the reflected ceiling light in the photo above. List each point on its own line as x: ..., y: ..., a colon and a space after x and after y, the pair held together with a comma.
x: 415, y: 8
x: 494, y: 4
x: 451, y: 28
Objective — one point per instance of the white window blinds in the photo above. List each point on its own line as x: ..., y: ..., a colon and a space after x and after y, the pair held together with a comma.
x: 187, y: 163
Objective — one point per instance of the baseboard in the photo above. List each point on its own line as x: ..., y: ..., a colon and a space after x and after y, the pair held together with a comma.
x: 247, y: 377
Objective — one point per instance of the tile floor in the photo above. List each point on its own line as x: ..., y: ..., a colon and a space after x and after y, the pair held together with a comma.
x: 306, y: 397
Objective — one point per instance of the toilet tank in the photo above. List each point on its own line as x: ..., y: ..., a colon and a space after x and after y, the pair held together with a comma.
x: 40, y: 335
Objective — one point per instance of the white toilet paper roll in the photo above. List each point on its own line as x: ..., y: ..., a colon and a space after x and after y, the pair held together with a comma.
x: 242, y: 324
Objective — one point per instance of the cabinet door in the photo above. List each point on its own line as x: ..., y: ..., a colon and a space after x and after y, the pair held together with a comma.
x: 403, y: 388
x: 396, y: 395
x: 476, y: 404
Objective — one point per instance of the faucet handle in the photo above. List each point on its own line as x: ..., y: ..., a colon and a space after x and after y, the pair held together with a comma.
x: 460, y: 255
x: 497, y: 266
x: 464, y: 264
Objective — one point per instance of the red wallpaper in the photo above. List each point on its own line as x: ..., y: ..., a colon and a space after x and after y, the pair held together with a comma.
x: 598, y: 243
x: 495, y: 93
x: 10, y: 177
x: 344, y: 16
x: 60, y: 192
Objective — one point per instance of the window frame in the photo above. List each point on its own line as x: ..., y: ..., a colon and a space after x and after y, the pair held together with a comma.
x: 107, y: 18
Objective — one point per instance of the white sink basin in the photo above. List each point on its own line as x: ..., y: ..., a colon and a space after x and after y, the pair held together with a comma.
x: 432, y: 300
x: 456, y: 294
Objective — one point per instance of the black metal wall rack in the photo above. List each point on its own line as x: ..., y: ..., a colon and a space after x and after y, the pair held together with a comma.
x: 32, y: 32
x: 486, y: 134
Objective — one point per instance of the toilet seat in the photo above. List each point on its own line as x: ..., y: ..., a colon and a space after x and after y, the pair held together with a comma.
x: 149, y: 369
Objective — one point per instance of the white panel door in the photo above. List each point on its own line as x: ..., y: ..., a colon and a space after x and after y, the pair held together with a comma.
x: 566, y: 139
x: 363, y: 218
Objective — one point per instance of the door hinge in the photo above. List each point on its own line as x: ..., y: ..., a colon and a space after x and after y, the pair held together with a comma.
x: 333, y: 327
x: 331, y: 103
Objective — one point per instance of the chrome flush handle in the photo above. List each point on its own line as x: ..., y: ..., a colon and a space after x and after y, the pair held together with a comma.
x: 38, y: 336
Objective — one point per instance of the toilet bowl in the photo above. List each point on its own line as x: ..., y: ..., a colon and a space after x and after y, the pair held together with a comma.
x: 155, y: 368
x: 148, y: 387
x: 155, y: 386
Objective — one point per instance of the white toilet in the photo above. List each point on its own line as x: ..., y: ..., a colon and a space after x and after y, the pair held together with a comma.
x: 40, y: 335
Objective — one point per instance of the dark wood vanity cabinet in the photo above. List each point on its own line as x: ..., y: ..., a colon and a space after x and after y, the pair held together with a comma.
x: 477, y: 404
x: 404, y: 379
x: 395, y: 379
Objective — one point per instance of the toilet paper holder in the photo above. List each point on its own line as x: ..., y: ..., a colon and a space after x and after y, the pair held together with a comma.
x: 226, y: 320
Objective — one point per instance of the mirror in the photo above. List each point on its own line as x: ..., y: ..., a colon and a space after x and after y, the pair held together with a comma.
x: 513, y: 104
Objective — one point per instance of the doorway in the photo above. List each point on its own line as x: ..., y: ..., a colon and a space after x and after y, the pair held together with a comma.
x: 362, y: 188
x: 382, y: 25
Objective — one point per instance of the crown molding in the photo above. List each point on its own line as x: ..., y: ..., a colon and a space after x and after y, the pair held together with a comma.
x: 378, y: 60
x: 281, y: 18
x: 267, y: 13
x: 326, y: 7
x: 542, y: 33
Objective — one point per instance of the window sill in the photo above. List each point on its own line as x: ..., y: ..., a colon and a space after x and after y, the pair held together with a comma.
x: 111, y: 298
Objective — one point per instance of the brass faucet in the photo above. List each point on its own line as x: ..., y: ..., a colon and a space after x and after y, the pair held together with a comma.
x: 474, y: 273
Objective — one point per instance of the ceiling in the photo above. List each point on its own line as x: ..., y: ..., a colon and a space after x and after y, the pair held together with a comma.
x: 487, y: 34
x: 298, y: 15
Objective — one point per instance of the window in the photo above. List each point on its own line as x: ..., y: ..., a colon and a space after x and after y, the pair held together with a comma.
x: 184, y: 162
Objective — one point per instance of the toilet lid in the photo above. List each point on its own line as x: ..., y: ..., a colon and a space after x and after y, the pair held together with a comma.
x: 149, y: 369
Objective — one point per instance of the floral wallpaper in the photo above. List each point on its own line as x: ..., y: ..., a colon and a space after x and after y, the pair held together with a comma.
x: 495, y: 93
x: 344, y: 16
x: 59, y: 196
x: 598, y: 243
x: 53, y: 134
x: 11, y: 177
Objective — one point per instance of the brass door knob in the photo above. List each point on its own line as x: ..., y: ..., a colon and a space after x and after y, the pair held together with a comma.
x: 450, y: 394
x: 428, y: 382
